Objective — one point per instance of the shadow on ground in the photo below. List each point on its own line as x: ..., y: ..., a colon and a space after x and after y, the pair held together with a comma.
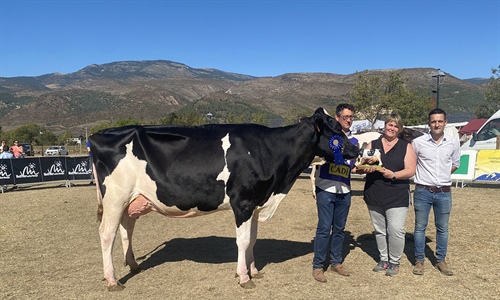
x: 218, y: 250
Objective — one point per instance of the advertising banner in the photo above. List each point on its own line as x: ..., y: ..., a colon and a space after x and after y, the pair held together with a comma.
x: 488, y: 165
x: 467, y: 166
x: 42, y: 169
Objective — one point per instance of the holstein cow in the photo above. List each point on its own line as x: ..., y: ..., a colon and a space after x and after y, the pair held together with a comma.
x: 190, y: 171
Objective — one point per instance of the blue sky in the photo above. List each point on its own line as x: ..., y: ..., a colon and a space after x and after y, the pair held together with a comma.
x: 259, y: 38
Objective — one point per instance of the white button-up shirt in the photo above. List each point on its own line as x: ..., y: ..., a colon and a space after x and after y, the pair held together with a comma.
x: 434, y: 161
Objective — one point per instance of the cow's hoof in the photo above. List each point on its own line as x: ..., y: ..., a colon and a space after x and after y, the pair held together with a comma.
x: 116, y: 288
x: 136, y: 270
x: 258, y: 275
x: 248, y: 285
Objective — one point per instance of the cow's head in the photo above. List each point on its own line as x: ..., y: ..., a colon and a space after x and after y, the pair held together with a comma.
x: 331, y: 137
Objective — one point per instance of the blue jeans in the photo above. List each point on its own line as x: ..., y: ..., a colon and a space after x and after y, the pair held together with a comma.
x: 424, y: 200
x: 332, y: 216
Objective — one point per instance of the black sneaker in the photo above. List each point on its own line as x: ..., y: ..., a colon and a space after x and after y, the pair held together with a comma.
x: 381, y: 266
x: 392, y: 270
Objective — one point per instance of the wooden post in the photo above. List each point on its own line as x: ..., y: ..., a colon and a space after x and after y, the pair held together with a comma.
x: 498, y: 142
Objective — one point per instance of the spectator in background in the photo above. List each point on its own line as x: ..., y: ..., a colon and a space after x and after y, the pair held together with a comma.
x: 17, y: 150
x: 5, y: 152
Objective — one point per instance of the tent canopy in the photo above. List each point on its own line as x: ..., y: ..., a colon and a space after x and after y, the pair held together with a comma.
x: 472, y: 126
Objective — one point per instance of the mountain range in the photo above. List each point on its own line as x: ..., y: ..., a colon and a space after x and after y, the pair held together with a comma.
x: 150, y: 90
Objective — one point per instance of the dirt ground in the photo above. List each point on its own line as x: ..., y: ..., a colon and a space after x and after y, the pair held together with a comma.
x: 49, y: 249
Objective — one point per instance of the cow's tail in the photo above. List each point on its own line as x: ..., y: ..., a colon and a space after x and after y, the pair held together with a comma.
x: 99, y: 196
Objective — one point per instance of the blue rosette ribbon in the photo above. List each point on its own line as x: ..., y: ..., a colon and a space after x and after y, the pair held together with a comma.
x: 335, y: 144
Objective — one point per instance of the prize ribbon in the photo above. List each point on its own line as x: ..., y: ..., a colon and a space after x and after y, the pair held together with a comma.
x: 335, y: 144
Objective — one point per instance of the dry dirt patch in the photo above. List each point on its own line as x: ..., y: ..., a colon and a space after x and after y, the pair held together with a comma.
x: 49, y: 249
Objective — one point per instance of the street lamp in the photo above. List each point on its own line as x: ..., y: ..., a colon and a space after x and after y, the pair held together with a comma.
x: 439, y: 75
x: 41, y: 140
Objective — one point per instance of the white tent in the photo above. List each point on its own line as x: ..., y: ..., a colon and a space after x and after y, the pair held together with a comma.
x: 365, y: 125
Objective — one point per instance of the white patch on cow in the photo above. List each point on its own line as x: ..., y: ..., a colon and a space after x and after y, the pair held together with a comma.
x: 129, y: 180
x: 266, y: 211
x: 224, y: 174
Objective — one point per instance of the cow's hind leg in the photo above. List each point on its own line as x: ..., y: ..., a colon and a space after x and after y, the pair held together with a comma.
x: 107, y: 231
x: 126, y: 231
x: 113, y: 209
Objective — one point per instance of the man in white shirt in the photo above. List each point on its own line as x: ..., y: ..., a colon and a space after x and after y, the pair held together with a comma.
x: 438, y: 156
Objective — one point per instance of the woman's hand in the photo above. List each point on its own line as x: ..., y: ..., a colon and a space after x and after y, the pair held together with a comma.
x: 389, y: 174
x: 368, y: 169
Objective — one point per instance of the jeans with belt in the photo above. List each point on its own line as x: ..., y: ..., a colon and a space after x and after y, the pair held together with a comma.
x: 332, y: 216
x: 424, y: 200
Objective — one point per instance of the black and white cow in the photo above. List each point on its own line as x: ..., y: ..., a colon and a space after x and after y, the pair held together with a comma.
x: 190, y: 171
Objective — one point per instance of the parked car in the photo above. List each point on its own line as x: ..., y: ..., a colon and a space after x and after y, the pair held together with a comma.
x: 486, y: 137
x: 26, y: 149
x: 56, y: 150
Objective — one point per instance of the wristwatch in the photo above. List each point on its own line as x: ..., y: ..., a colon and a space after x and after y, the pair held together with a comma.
x: 393, y: 177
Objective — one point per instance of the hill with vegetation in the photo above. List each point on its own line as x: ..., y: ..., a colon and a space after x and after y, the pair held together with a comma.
x: 148, y: 91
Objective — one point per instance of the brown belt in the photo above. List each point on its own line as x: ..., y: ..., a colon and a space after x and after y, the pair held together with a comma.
x: 435, y: 189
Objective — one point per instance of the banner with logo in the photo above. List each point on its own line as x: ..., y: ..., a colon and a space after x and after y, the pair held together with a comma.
x: 488, y: 165
x: 41, y: 169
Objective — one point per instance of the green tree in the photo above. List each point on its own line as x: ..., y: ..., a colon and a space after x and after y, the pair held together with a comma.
x: 415, y: 110
x: 27, y: 133
x: 294, y: 114
x: 170, y: 119
x: 374, y: 98
x: 185, y: 119
x: 410, y: 105
x: 101, y: 126
x: 64, y: 138
x: 368, y: 97
x: 233, y: 118
x: 492, y: 96
x: 46, y: 138
x: 126, y: 122
x: 260, y: 118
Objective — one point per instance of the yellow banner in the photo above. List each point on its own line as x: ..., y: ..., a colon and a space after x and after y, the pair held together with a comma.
x: 488, y: 165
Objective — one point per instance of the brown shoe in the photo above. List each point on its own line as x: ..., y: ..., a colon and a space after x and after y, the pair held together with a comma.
x: 319, y: 275
x: 444, y: 269
x: 339, y: 269
x: 418, y: 269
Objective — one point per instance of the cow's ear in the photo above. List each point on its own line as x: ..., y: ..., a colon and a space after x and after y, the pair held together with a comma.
x: 321, y: 111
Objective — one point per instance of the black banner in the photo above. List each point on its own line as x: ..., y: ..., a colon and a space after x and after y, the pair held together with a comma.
x: 41, y: 169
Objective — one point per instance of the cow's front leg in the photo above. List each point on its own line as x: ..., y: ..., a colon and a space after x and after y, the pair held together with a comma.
x: 126, y: 231
x: 243, y: 239
x: 250, y: 260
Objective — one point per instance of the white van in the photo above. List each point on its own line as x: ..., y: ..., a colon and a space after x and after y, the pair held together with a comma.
x: 486, y: 136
